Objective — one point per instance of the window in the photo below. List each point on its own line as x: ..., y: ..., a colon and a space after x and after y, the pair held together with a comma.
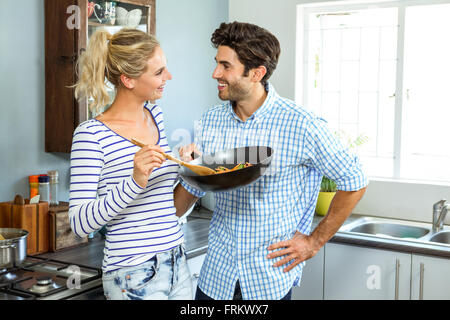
x: 382, y: 69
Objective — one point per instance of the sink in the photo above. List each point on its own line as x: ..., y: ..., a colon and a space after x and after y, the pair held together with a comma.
x: 441, y: 237
x: 384, y: 228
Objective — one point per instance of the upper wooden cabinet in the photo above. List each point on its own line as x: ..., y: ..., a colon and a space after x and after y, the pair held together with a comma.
x: 68, y: 26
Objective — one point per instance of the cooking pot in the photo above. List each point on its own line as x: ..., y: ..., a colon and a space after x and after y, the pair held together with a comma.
x: 13, y: 250
x: 259, y: 156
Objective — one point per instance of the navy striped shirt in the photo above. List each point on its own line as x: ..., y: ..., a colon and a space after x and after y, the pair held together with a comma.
x: 140, y: 221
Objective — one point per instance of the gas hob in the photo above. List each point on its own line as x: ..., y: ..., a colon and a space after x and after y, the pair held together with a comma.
x: 47, y: 279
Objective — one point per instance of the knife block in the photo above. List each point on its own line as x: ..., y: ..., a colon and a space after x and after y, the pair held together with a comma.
x: 33, y: 218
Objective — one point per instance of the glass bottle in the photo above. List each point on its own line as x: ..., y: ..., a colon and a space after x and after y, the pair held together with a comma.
x: 44, y: 188
x: 53, y: 175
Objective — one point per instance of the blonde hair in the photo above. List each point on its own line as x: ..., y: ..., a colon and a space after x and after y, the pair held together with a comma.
x: 110, y: 56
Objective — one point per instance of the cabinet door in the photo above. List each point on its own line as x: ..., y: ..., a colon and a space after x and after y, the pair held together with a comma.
x: 67, y: 30
x: 195, y: 265
x: 60, y: 60
x: 311, y: 286
x: 353, y: 272
x: 430, y: 278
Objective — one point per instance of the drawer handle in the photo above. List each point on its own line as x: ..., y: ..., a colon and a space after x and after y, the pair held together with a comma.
x: 397, y: 277
x: 422, y: 274
x: 196, y: 276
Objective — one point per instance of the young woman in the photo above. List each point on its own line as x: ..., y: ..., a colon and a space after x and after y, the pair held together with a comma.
x: 117, y: 184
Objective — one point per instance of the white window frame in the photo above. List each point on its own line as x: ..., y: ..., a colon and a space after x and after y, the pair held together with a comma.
x: 301, y: 91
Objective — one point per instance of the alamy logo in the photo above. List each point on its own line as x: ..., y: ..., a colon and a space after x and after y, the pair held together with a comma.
x: 74, y: 20
x: 374, y: 280
x: 74, y: 281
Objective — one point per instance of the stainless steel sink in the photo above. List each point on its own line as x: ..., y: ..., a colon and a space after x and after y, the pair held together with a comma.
x: 384, y: 228
x: 441, y: 237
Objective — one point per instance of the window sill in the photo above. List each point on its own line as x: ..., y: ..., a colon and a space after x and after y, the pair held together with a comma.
x: 410, y: 181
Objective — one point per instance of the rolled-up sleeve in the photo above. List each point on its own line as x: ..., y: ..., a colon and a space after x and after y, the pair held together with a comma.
x: 332, y: 159
x: 194, y: 191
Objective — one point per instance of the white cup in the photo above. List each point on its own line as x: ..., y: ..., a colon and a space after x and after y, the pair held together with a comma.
x: 134, y: 18
x: 129, y: 19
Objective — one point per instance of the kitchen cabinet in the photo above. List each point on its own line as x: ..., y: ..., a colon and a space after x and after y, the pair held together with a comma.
x: 311, y: 285
x: 68, y: 27
x: 195, y: 265
x: 430, y: 278
x: 353, y: 272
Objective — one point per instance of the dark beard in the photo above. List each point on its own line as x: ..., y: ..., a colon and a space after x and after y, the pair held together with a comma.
x: 235, y: 93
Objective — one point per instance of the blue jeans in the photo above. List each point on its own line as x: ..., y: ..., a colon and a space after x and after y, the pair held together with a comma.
x: 164, y: 277
x: 200, y: 295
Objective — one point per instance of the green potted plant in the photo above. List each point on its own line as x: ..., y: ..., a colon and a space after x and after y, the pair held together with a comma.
x: 328, y: 187
x: 327, y: 191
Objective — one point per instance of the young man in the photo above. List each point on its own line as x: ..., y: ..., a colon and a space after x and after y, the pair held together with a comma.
x: 260, y: 234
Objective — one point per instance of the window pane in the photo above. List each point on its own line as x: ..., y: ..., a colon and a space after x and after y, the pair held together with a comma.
x: 426, y: 93
x: 351, y: 65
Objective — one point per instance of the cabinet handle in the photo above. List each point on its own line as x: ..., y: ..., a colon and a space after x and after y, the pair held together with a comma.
x: 422, y: 274
x: 397, y: 277
x: 71, y: 58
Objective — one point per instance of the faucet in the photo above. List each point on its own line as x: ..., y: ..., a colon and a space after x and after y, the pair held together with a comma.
x: 439, y: 212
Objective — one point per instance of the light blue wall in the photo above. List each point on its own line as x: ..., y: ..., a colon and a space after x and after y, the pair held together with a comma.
x: 184, y: 28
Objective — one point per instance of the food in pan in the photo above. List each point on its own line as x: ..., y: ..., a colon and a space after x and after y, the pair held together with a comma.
x: 222, y: 169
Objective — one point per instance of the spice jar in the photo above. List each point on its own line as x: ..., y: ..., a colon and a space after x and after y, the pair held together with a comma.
x: 53, y: 176
x: 44, y: 188
x: 34, y: 186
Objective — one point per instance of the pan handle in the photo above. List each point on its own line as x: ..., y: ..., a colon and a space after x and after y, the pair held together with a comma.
x: 12, y: 245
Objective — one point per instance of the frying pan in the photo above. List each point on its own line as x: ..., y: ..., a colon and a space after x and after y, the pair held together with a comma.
x: 259, y: 156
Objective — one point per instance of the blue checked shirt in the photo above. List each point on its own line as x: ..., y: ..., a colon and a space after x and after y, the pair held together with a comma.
x: 247, y: 220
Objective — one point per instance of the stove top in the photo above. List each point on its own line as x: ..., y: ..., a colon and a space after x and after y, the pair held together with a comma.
x: 47, y: 279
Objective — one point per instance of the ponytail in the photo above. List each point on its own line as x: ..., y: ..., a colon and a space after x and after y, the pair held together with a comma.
x: 93, y: 70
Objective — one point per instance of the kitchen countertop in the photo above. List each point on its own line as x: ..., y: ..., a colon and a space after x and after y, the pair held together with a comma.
x: 91, y: 254
x: 196, y: 234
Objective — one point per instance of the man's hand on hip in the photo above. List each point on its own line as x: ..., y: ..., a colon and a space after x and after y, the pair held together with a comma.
x: 300, y: 248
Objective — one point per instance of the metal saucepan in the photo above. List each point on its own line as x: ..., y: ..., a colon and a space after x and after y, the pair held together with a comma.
x: 260, y: 158
x: 13, y: 250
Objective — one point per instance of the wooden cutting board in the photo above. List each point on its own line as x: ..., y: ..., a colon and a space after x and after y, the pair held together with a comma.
x: 61, y: 235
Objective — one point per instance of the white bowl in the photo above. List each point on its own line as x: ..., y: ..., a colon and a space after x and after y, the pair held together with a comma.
x: 121, y: 16
x: 134, y: 18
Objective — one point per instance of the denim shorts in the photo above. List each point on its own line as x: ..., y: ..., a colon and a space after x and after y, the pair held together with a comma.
x: 164, y: 277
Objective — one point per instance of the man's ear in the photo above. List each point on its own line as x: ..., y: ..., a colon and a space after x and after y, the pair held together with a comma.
x: 258, y: 73
x: 127, y: 82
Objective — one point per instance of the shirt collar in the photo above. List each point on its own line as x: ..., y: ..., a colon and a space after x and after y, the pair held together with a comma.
x: 261, y: 111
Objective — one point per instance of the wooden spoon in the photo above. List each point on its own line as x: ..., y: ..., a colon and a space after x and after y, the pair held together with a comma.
x: 1, y: 237
x: 18, y: 199
x: 200, y: 170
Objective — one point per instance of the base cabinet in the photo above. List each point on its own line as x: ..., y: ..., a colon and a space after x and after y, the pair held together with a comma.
x: 430, y: 278
x: 195, y: 265
x: 353, y: 272
x: 311, y: 286
x: 344, y: 272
